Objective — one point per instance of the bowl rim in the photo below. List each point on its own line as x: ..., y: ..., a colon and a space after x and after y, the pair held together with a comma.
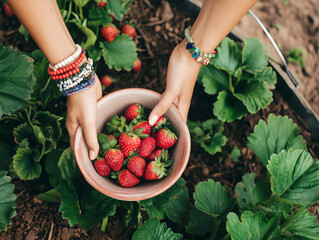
x: 79, y: 133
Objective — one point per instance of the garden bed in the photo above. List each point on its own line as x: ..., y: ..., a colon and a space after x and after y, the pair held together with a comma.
x: 159, y: 32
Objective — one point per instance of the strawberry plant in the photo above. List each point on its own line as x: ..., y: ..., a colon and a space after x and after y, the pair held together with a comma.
x: 241, y: 78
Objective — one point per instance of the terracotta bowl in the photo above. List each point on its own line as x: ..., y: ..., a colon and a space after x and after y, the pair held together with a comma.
x: 116, y: 103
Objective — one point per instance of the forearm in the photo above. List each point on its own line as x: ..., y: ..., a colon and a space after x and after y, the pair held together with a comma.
x: 44, y: 22
x: 216, y: 19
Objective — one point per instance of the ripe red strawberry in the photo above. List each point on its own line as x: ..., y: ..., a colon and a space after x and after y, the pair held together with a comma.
x: 153, y: 135
x: 129, y: 30
x: 111, y: 137
x: 137, y: 65
x: 102, y: 167
x: 129, y: 143
x: 147, y: 146
x: 137, y: 166
x: 135, y: 111
x: 8, y: 10
x: 101, y: 4
x: 165, y: 138
x: 154, y: 155
x: 147, y: 128
x: 106, y: 81
x: 114, y: 158
x: 109, y: 33
x: 161, y: 120
x: 127, y: 179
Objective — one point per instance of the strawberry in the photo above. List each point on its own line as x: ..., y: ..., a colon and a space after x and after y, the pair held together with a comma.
x: 165, y: 138
x: 114, y: 158
x: 106, y: 81
x: 109, y: 33
x: 147, y: 146
x: 161, y: 120
x: 101, y: 4
x: 8, y: 10
x: 112, y: 16
x: 102, y: 167
x: 137, y: 65
x: 154, y: 154
x: 127, y: 179
x: 137, y: 166
x: 153, y: 135
x: 147, y: 128
x: 129, y: 30
x: 111, y: 137
x: 129, y: 143
x: 134, y: 111
x: 158, y: 168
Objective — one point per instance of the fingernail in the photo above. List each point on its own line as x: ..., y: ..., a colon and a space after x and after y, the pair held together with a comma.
x: 92, y: 155
x: 153, y: 120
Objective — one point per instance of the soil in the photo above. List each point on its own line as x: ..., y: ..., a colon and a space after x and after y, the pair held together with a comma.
x: 159, y: 31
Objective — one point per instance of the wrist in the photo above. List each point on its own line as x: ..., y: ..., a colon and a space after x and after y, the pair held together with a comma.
x: 186, y: 56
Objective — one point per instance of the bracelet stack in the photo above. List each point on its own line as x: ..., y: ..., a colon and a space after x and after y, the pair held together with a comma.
x: 70, y: 77
x: 197, y: 53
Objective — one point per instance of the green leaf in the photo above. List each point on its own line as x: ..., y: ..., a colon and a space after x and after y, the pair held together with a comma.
x: 248, y: 193
x: 304, y: 225
x: 100, y: 15
x: 267, y: 75
x: 24, y: 164
x: 235, y: 154
x: 16, y: 80
x: 211, y: 198
x: 94, y: 53
x: 117, y: 9
x: 228, y: 56
x: 253, y: 58
x: 227, y: 108
x: 255, y: 95
x: 177, y: 209
x: 153, y: 229
x: 200, y: 223
x: 50, y: 196
x: 121, y: 53
x: 24, y: 32
x: 7, y: 201
x: 252, y: 226
x: 214, y: 80
x: 277, y: 134
x: 294, y: 176
x: 155, y: 206
x: 215, y: 143
x: 81, y: 3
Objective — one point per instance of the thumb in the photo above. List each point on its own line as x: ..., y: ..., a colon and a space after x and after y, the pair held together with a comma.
x: 166, y: 101
x: 89, y: 130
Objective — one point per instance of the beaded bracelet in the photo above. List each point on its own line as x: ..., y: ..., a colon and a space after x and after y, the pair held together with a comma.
x: 83, y: 86
x: 68, y: 60
x: 197, y: 53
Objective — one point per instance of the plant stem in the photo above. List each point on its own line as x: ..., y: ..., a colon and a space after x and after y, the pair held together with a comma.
x: 227, y: 236
x: 28, y: 118
x: 104, y: 223
x: 270, y: 200
x: 46, y: 85
x: 81, y: 14
x: 291, y: 219
x: 231, y: 87
x: 69, y: 12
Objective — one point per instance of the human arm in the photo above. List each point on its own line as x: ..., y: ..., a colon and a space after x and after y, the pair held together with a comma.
x: 214, y: 22
x: 43, y: 20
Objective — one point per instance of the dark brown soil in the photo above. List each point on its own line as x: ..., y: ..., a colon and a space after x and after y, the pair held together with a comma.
x: 41, y: 220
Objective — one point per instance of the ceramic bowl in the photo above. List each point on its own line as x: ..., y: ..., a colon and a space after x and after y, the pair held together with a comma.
x: 116, y: 103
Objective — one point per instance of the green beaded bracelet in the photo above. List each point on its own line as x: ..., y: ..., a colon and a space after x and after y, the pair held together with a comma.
x: 197, y: 53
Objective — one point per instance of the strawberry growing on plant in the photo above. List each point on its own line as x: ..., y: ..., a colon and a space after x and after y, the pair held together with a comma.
x: 109, y: 32
x: 134, y: 111
x: 115, y: 159
x: 165, y: 138
x: 106, y: 81
x: 8, y: 10
x: 129, y: 30
x: 128, y: 179
x: 101, y: 4
x: 102, y: 167
x: 137, y: 166
x: 147, y: 146
x: 137, y: 65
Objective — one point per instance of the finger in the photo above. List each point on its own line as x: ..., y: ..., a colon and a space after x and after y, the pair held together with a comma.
x: 71, y: 127
x: 89, y: 130
x: 166, y: 101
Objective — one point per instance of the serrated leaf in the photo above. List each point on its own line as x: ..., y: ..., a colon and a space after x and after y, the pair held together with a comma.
x: 228, y: 57
x: 200, y: 223
x: 215, y: 143
x: 277, y: 134
x: 39, y: 135
x: 153, y: 229
x: 50, y: 196
x: 235, y: 154
x: 16, y: 74
x: 7, y: 200
x: 253, y: 58
x: 267, y: 75
x: 100, y: 15
x: 81, y: 3
x: 214, y: 80
x: 117, y: 8
x: 248, y: 193
x: 24, y: 164
x: 227, y: 108
x: 304, y: 225
x: 121, y: 53
x: 24, y: 131
x: 212, y: 198
x: 294, y: 176
x: 94, y: 53
x: 255, y: 95
x: 252, y: 226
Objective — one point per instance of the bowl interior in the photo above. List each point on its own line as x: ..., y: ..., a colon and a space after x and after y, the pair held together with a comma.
x: 116, y: 103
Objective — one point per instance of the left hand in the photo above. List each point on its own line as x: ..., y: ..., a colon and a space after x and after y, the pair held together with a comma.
x: 180, y: 81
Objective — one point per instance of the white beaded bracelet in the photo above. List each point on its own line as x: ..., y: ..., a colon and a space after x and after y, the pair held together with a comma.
x: 68, y: 60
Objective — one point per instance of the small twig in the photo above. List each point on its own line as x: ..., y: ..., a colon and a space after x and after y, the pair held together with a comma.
x: 51, y: 231
x: 150, y: 52
x: 220, y: 173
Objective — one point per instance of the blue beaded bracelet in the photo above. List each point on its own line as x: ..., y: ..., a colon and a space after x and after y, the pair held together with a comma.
x: 85, y: 84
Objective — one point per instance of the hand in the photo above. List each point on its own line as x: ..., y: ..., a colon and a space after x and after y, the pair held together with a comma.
x: 82, y: 111
x: 180, y: 81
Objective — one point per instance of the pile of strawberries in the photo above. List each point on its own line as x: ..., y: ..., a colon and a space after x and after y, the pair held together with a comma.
x: 132, y: 149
